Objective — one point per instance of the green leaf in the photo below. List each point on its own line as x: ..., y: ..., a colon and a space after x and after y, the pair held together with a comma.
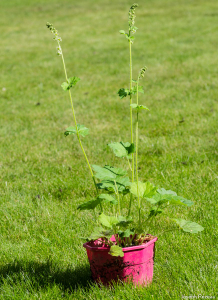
x: 189, y: 226
x: 145, y: 189
x: 138, y: 190
x: 65, y: 86
x: 130, y: 38
x: 107, y: 221
x: 70, y: 82
x: 162, y: 191
x: 126, y: 233
x: 169, y: 197
x: 118, y: 149
x: 173, y: 198
x: 124, y: 221
x: 116, y: 251
x: 107, y: 172
x: 138, y: 107
x: 106, y: 185
x: 122, y: 184
x: 130, y: 148
x: 150, y: 190
x: 82, y: 130
x: 89, y: 204
x: 123, y: 93
x: 135, y: 81
x: 183, y: 200
x: 154, y: 211
x: 100, y: 232
x: 106, y: 198
x: 122, y: 149
x: 140, y: 89
x: 73, y: 81
x: 122, y: 32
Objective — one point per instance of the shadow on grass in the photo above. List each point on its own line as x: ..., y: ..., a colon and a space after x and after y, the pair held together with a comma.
x: 43, y: 275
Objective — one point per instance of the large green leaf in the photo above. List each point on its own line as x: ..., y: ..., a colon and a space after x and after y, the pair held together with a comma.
x: 138, y: 190
x: 183, y: 200
x: 100, y: 232
x: 82, y: 130
x: 89, y: 204
x: 168, y: 196
x: 107, y: 172
x: 107, y: 221
x: 162, y: 191
x: 122, y: 184
x: 189, y: 226
x: 145, y: 189
x: 116, y: 251
x: 150, y: 189
x: 121, y: 149
x: 106, y: 198
x: 106, y: 185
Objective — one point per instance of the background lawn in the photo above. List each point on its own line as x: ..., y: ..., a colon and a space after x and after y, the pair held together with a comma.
x: 43, y: 175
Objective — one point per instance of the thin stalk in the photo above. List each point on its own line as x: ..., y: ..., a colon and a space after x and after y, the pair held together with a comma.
x: 74, y: 116
x: 118, y: 198
x: 136, y: 155
x: 131, y: 119
x: 77, y: 131
x: 130, y: 87
x: 129, y: 164
x: 97, y: 191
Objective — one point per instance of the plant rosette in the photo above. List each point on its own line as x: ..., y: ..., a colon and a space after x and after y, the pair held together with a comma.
x: 118, y: 248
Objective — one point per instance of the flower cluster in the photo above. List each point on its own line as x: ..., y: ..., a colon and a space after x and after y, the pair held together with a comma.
x: 56, y: 37
x: 132, y: 17
x: 54, y: 31
x: 142, y: 73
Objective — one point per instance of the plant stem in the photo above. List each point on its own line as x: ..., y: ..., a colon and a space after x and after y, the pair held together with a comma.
x: 130, y: 87
x: 129, y: 164
x: 118, y: 197
x: 136, y: 154
x: 74, y: 116
x: 97, y: 191
x: 131, y: 125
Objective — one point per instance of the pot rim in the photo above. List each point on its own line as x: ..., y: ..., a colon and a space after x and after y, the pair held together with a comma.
x: 126, y: 249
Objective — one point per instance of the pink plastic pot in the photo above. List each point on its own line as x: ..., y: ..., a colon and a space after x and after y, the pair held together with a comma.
x: 136, y: 265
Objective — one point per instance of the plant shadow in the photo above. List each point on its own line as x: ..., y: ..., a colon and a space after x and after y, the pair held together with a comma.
x: 42, y: 275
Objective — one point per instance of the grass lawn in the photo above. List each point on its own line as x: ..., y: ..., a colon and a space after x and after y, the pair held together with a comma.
x: 43, y: 175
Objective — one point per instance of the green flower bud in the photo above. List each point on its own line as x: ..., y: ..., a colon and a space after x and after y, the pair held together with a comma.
x: 142, y: 73
x: 54, y: 31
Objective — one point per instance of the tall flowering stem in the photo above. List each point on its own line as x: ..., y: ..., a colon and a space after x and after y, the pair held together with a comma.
x: 141, y: 75
x: 132, y: 30
x: 58, y: 39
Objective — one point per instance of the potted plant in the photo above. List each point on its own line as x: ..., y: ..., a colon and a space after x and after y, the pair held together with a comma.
x: 119, y: 248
